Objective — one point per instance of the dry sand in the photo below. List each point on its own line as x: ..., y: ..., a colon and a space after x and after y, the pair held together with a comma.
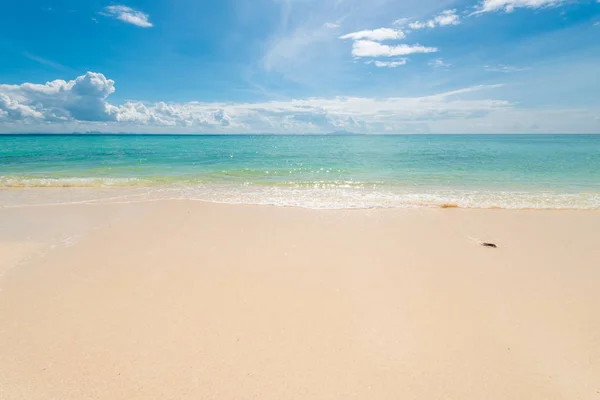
x: 186, y: 300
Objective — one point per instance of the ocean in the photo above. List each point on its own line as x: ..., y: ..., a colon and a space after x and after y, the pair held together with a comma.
x: 353, y: 171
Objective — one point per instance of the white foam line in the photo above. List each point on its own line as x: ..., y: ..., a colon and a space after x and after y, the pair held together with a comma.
x: 170, y: 194
x: 274, y: 204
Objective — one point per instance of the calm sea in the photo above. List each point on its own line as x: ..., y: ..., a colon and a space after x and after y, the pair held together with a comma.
x: 507, y: 171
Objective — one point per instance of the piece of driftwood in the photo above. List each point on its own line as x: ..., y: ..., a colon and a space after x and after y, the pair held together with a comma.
x: 489, y: 245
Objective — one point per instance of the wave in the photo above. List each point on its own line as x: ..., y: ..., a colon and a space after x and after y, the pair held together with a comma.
x: 351, y: 198
x: 306, y: 194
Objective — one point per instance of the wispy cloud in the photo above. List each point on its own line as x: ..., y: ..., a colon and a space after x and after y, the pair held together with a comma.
x: 128, y: 15
x: 401, y: 21
x: 439, y: 63
x: 368, y: 48
x: 377, y: 35
x: 45, y: 61
x: 388, y: 64
x: 331, y: 25
x: 511, y: 5
x: 503, y: 68
x: 448, y: 17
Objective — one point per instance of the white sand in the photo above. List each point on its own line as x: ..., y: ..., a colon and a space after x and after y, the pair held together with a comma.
x: 186, y: 300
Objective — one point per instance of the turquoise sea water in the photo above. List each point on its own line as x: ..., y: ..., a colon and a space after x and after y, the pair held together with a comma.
x: 508, y: 171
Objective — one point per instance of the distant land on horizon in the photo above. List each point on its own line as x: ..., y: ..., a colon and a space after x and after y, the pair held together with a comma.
x: 336, y: 133
x: 91, y: 133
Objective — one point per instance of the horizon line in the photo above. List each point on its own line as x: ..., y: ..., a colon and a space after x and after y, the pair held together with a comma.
x: 268, y: 134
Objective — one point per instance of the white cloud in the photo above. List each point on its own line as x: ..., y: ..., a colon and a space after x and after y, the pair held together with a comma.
x: 401, y: 21
x: 191, y: 114
x: 307, y: 55
x: 12, y: 110
x: 45, y: 61
x: 439, y: 63
x: 448, y: 17
x: 128, y: 15
x: 331, y: 25
x: 368, y: 48
x: 503, y: 68
x: 81, y: 104
x: 511, y: 5
x: 388, y: 64
x: 421, y: 25
x: 82, y: 99
x: 377, y: 35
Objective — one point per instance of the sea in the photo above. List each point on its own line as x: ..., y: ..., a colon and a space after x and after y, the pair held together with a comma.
x: 314, y: 171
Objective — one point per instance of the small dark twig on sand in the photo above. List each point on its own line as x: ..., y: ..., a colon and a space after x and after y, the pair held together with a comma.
x: 489, y: 245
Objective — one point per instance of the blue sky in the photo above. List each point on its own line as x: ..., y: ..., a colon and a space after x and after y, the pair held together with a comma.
x: 300, y: 66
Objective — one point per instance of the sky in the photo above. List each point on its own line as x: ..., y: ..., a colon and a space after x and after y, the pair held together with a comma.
x: 300, y: 66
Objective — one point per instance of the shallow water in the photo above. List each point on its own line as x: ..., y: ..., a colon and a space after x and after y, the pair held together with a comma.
x: 483, y: 171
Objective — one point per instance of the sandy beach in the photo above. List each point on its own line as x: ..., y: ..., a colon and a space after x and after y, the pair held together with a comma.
x: 191, y: 300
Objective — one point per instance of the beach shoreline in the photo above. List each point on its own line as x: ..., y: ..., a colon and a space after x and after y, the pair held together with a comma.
x: 334, y: 197
x: 317, y: 172
x: 186, y: 299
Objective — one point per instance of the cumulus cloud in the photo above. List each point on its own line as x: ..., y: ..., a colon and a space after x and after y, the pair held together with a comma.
x: 377, y: 35
x: 174, y: 115
x: 369, y: 48
x: 12, y: 110
x: 82, y: 99
x: 128, y: 15
x: 448, y: 17
x: 312, y: 115
x: 388, y: 64
x: 82, y: 104
x: 511, y: 5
